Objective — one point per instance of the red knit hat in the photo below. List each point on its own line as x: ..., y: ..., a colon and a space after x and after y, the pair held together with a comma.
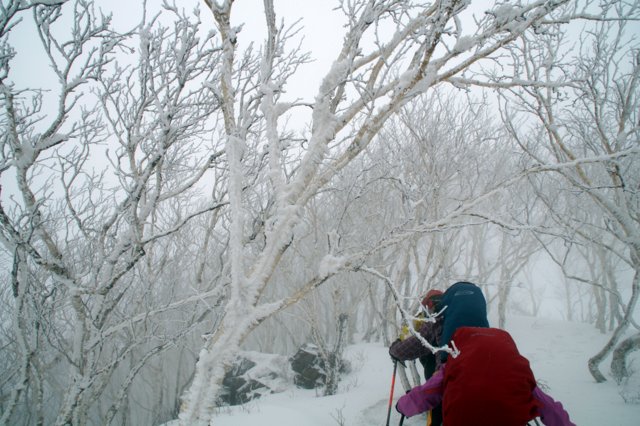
x: 428, y: 300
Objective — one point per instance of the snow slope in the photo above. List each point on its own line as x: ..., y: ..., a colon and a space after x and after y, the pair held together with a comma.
x: 558, y: 352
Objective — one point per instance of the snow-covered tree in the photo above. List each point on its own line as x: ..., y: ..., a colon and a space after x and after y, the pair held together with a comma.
x: 101, y: 159
x: 162, y: 194
x: 376, y: 72
x: 585, y: 135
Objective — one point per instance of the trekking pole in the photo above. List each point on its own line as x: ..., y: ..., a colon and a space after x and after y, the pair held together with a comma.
x: 401, y: 420
x: 393, y: 384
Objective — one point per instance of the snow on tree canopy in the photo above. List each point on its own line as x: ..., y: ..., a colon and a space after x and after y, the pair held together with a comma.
x: 329, y: 265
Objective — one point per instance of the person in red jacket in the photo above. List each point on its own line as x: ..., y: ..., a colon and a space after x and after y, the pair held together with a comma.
x: 409, y: 347
x: 487, y: 383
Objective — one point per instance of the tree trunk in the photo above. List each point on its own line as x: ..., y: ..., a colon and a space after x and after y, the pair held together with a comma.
x: 333, y: 359
x: 601, y: 309
x: 402, y: 371
x: 595, y: 361
x: 619, y: 360
x: 503, y: 297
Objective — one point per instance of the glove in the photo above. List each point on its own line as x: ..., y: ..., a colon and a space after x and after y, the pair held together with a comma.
x: 395, y: 359
x: 397, y: 402
x: 398, y: 410
x: 399, y: 361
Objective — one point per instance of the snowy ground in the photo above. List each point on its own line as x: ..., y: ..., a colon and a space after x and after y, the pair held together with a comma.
x: 558, y: 352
